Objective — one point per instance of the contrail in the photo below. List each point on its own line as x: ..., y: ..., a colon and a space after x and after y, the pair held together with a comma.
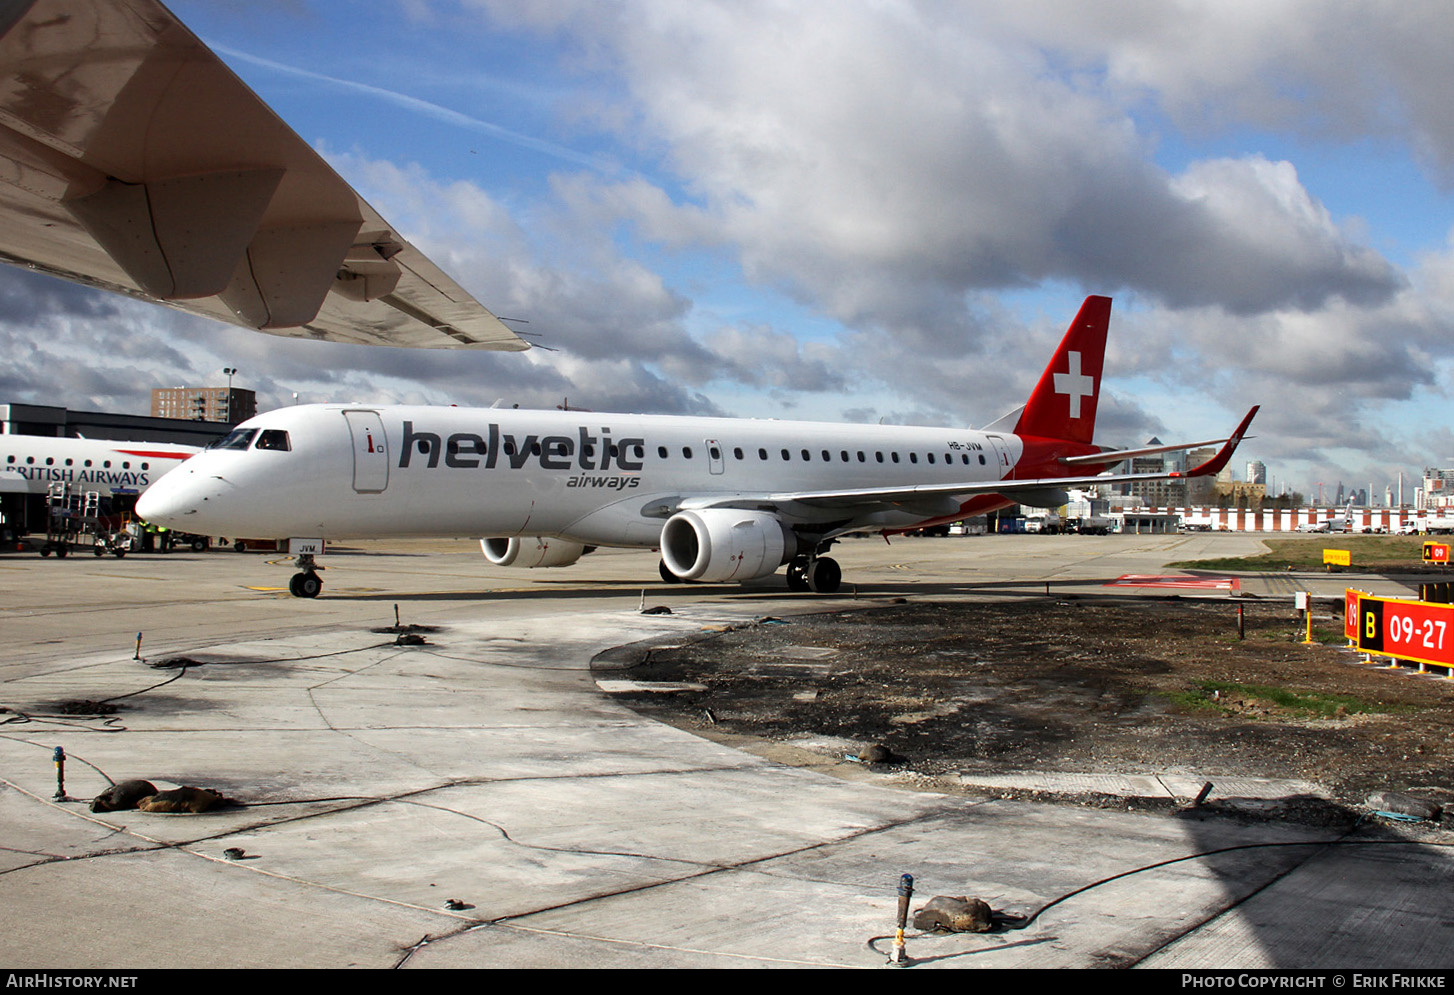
x: 427, y: 108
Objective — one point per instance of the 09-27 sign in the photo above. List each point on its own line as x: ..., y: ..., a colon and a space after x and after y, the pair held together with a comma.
x: 1421, y: 631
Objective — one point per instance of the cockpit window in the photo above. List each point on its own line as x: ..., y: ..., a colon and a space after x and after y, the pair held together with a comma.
x: 238, y: 438
x: 274, y: 438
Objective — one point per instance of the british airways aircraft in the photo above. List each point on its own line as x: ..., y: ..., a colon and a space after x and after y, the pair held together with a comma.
x: 31, y: 464
x: 723, y: 499
x: 132, y: 159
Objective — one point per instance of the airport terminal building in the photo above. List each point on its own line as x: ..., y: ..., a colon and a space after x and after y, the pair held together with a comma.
x: 63, y: 423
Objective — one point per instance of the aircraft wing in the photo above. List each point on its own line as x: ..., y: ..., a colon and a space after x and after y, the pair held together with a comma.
x: 922, y: 495
x: 919, y: 496
x: 133, y: 159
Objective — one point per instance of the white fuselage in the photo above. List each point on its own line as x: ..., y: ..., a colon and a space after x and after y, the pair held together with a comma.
x: 600, y: 479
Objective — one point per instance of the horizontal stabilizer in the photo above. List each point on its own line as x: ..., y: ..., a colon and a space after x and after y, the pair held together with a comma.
x: 1107, y: 457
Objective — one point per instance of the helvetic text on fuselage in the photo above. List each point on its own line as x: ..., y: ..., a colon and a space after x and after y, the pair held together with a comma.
x: 464, y: 450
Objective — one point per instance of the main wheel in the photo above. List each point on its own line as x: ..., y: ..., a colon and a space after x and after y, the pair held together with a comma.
x: 798, y: 574
x: 825, y: 575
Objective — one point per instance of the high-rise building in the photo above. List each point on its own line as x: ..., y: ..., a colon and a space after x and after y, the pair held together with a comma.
x: 1438, y: 487
x: 215, y: 404
x: 1200, y: 490
x: 1156, y: 493
x: 1256, y: 472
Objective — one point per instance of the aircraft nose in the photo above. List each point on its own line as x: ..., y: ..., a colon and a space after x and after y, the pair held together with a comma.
x: 172, y: 500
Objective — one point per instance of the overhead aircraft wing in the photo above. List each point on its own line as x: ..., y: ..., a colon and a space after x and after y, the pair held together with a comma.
x: 919, y: 494
x: 132, y: 159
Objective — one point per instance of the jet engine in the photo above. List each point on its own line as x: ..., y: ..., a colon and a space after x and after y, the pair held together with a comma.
x: 719, y: 544
x: 531, y: 551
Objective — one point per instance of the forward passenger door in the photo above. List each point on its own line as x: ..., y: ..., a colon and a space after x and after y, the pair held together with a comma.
x: 370, y: 451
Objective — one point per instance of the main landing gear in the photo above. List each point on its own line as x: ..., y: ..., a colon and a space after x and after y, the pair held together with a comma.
x: 307, y: 583
x: 819, y: 574
x: 807, y: 572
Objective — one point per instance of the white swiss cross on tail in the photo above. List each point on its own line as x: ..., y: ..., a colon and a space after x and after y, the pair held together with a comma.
x: 1075, y: 384
x: 1074, y: 376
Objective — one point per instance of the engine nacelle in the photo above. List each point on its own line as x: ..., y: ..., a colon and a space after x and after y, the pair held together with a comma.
x: 720, y: 544
x: 531, y: 551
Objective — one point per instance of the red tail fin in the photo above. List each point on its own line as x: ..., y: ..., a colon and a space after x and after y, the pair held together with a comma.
x: 1063, y: 405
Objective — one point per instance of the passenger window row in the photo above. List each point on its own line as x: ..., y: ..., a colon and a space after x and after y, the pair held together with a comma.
x: 637, y: 453
x: 826, y: 456
x: 50, y: 461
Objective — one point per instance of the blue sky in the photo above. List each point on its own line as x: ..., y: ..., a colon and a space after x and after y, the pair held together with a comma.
x: 850, y: 210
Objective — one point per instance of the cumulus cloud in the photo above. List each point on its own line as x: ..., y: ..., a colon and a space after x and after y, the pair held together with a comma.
x: 1343, y: 71
x: 871, y: 156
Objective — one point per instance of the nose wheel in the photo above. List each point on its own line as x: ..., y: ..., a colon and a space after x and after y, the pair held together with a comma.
x: 306, y: 583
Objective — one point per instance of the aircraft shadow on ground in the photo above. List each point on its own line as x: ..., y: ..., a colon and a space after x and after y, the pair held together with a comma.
x: 1286, y: 892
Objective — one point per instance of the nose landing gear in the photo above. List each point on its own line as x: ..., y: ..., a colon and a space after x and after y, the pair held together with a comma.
x: 306, y: 583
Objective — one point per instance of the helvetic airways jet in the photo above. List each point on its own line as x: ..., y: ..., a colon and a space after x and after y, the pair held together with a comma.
x: 724, y: 499
x: 132, y: 159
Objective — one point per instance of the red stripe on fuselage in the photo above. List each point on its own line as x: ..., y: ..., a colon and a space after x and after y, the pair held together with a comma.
x: 153, y: 454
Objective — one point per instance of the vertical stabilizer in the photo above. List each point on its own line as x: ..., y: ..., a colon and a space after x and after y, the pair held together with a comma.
x: 1063, y: 404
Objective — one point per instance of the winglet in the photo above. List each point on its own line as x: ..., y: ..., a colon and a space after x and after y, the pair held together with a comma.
x: 1215, y: 464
